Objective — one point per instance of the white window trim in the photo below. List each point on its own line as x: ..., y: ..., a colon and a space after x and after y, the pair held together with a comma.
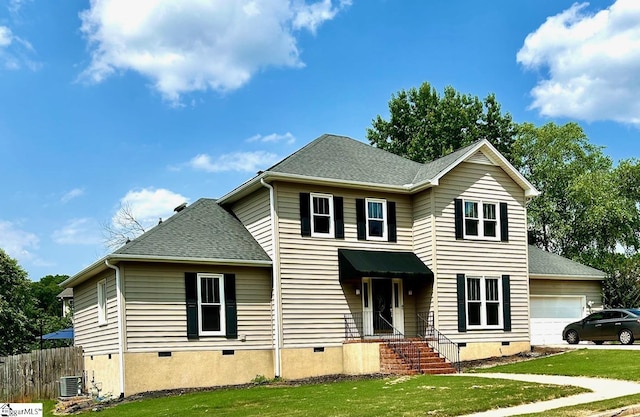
x: 481, y: 204
x: 384, y: 218
x: 223, y: 322
x: 331, y: 214
x: 101, y: 289
x: 483, y: 302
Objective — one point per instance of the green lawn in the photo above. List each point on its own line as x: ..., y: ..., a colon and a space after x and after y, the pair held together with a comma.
x: 616, y: 364
x: 395, y: 396
x: 402, y: 396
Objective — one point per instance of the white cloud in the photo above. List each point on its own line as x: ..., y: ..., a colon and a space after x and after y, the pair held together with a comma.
x: 194, y: 45
x: 592, y: 63
x: 70, y: 195
x: 83, y: 231
x: 14, y: 51
x: 238, y: 161
x: 148, y: 205
x: 273, y: 138
x: 18, y: 243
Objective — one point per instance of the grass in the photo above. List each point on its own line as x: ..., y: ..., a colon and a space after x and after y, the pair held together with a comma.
x: 615, y: 364
x: 397, y: 396
x: 404, y: 396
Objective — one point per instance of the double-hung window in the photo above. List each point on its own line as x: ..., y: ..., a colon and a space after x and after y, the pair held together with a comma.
x: 211, y: 304
x: 321, y: 215
x: 376, y: 219
x: 102, y: 302
x: 480, y: 220
x: 484, y: 302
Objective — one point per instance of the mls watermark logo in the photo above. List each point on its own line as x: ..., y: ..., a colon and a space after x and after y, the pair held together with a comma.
x: 21, y: 409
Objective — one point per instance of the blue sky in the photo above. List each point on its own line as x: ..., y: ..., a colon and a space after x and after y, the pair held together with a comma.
x: 149, y: 104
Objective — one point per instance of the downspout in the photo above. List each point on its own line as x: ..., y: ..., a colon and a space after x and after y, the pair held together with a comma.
x: 120, y: 328
x: 276, y: 278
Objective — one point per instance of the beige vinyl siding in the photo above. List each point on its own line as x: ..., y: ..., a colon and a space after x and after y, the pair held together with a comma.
x: 156, y: 310
x: 313, y: 300
x: 592, y: 290
x: 254, y: 212
x: 480, y: 257
x: 423, y: 220
x: 95, y: 339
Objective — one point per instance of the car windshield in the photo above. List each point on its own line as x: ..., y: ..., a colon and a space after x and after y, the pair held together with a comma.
x: 635, y: 312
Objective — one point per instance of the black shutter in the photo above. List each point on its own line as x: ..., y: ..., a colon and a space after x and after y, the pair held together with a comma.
x: 391, y: 221
x: 338, y: 217
x: 361, y: 221
x: 191, y: 293
x: 506, y: 302
x: 230, y: 306
x: 305, y: 215
x: 504, y: 223
x: 459, y: 221
x: 462, y: 302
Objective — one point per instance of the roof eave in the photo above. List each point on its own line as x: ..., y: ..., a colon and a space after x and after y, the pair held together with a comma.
x: 100, y: 265
x: 271, y: 176
x: 568, y: 277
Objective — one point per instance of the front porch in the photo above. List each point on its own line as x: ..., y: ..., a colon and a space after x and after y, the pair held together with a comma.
x: 427, y: 351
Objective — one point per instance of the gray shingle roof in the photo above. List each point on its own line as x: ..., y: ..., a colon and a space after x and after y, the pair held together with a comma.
x: 542, y: 262
x: 202, y: 230
x: 431, y: 169
x: 343, y: 158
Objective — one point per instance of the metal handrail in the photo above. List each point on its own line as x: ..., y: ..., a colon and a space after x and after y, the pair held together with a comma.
x: 404, y: 348
x: 440, y: 343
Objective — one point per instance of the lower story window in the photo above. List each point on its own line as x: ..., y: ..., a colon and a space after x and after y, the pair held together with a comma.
x: 484, y: 302
x: 211, y: 304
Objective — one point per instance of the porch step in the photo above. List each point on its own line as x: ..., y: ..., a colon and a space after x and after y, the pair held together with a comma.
x: 430, y: 362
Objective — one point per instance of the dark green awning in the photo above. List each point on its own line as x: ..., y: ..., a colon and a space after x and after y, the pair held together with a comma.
x: 355, y: 264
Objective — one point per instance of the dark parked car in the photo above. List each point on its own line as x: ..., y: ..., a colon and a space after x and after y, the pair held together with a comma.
x: 621, y: 324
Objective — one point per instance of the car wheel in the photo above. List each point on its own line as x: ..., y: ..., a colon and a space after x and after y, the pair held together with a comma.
x: 572, y: 337
x: 598, y: 342
x: 625, y: 337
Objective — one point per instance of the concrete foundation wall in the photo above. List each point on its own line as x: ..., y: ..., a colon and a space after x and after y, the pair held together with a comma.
x: 102, y: 374
x: 151, y: 372
x: 306, y: 362
x: 361, y: 358
x: 492, y: 349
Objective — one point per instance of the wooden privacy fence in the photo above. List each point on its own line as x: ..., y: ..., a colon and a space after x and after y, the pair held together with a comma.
x: 36, y: 375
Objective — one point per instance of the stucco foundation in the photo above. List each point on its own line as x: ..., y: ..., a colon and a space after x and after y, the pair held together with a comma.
x: 361, y: 358
x: 102, y: 374
x: 152, y: 372
x: 488, y: 350
x: 309, y: 362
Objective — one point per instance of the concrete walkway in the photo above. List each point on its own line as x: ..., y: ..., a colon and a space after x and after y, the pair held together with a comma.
x: 603, y: 389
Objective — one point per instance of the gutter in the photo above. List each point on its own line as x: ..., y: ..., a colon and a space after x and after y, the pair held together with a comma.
x: 276, y: 280
x: 120, y: 327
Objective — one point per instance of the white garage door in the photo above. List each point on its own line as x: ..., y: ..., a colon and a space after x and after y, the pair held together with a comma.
x: 549, y: 315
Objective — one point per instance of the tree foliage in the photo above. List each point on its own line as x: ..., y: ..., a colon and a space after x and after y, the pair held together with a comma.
x: 424, y: 125
x: 46, y: 293
x: 587, y: 207
x: 17, y: 308
x: 122, y: 228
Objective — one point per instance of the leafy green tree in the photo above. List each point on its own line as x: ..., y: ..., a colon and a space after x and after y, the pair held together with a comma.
x: 424, y: 125
x: 586, y: 205
x: 621, y: 288
x: 46, y: 293
x: 17, y: 309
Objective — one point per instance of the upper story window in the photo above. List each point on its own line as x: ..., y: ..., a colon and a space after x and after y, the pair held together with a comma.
x: 376, y: 219
x: 481, y: 220
x: 102, y: 302
x: 322, y: 215
x: 484, y: 302
x: 211, y: 304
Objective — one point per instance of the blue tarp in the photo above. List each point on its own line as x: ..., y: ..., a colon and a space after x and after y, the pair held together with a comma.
x: 60, y: 334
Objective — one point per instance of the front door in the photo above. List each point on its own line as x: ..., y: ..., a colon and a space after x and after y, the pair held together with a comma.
x: 382, y: 306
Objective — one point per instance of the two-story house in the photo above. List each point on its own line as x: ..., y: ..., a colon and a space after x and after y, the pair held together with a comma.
x: 311, y: 266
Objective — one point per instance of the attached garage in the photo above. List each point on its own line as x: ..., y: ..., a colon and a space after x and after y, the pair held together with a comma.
x: 561, y: 291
